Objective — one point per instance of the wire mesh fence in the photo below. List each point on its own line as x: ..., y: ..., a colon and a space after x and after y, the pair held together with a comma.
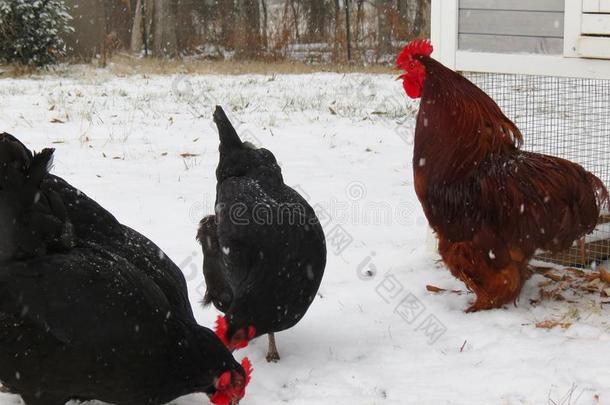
x: 565, y: 117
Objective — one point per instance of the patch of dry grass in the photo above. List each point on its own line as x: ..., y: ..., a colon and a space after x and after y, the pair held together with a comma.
x: 126, y: 65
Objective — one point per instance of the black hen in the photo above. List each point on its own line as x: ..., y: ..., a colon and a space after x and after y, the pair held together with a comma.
x: 264, y: 250
x: 90, y: 309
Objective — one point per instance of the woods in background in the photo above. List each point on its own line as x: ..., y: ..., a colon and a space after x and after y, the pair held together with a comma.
x: 309, y: 30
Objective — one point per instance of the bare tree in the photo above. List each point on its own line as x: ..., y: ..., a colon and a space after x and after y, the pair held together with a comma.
x: 137, y: 30
x: 348, y: 31
x: 318, y: 12
x: 294, y: 6
x: 384, y: 27
x: 165, y: 43
x: 227, y: 16
x: 421, y: 19
x: 250, y: 17
x: 265, y: 24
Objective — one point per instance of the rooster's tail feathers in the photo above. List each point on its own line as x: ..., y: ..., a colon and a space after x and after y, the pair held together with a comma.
x: 33, y: 218
x: 603, y: 197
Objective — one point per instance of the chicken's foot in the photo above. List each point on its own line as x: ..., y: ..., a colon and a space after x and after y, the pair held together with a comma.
x: 273, y: 356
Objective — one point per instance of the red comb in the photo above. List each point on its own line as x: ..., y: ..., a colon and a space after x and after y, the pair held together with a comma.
x: 416, y: 47
x: 221, y: 330
x: 251, y: 332
x: 228, y: 389
x: 247, y: 365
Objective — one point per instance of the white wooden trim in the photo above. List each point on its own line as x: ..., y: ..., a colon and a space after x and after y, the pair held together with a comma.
x: 436, y: 33
x: 532, y: 65
x: 597, y: 24
x: 590, y: 6
x: 571, y: 27
x: 594, y: 47
x: 604, y: 6
x: 445, y: 30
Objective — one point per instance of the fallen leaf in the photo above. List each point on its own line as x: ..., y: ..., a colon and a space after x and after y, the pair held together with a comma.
x: 553, y: 276
x: 57, y: 121
x: 434, y: 289
x: 552, y: 324
x: 189, y: 155
x: 604, y: 275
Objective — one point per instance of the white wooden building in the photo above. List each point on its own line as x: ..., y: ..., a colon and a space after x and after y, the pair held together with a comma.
x: 569, y: 38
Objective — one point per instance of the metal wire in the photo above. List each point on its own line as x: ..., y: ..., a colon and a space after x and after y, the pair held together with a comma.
x: 565, y: 117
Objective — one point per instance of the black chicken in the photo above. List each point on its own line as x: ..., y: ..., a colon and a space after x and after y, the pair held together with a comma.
x: 89, y: 308
x: 264, y: 250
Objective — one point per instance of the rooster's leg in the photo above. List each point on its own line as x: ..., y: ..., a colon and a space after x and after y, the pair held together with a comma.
x: 273, y: 356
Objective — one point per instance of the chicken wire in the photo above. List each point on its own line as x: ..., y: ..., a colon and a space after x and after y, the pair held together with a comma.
x: 565, y: 117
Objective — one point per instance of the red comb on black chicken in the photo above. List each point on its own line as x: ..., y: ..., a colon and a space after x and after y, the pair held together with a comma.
x: 264, y: 250
x: 89, y: 308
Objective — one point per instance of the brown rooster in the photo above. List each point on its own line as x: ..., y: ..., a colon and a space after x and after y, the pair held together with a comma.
x: 491, y: 204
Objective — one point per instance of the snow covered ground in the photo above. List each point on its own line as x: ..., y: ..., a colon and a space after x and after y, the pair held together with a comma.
x: 145, y: 148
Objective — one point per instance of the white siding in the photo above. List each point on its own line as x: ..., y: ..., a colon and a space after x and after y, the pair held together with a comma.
x: 511, y: 26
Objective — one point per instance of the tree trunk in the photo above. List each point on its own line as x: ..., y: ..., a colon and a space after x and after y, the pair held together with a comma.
x: 165, y: 44
x: 295, y: 16
x: 402, y: 6
x: 147, y: 28
x: 348, y: 31
x: 338, y: 36
x: 137, y: 30
x: 360, y: 15
x: 251, y: 29
x: 227, y: 16
x: 384, y: 29
x: 316, y: 20
x: 265, y: 23
x: 422, y: 19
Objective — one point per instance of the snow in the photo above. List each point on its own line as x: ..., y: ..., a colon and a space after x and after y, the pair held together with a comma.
x: 145, y: 148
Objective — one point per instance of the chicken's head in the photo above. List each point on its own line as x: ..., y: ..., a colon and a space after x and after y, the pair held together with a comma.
x: 231, y: 385
x: 415, y: 72
x: 234, y: 340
